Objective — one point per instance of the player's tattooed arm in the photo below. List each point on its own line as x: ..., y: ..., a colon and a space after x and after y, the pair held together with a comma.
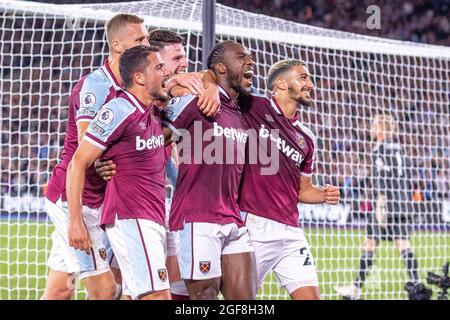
x: 83, y: 158
x: 312, y: 194
x: 209, y: 99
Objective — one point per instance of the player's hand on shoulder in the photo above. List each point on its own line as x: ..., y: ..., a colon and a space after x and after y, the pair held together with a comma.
x: 209, y: 101
x: 191, y: 81
x: 105, y: 169
x: 179, y: 91
x: 78, y: 235
x: 331, y: 194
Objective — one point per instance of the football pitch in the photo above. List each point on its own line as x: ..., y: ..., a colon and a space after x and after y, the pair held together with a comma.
x: 25, y: 247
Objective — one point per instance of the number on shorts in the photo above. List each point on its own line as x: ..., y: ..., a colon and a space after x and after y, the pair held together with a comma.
x: 308, y: 261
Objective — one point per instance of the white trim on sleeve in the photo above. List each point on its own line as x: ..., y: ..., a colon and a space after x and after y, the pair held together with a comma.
x: 83, y: 120
x: 304, y: 174
x: 95, y: 143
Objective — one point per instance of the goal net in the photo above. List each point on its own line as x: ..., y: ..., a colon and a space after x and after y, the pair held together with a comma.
x: 46, y: 48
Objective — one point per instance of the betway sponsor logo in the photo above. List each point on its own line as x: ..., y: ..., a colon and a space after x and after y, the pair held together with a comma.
x: 219, y: 144
x: 281, y: 145
x: 230, y: 133
x: 151, y: 143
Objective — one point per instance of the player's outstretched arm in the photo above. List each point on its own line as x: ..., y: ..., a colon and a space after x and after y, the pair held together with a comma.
x: 192, y: 81
x: 83, y: 158
x: 208, y: 99
x: 312, y: 194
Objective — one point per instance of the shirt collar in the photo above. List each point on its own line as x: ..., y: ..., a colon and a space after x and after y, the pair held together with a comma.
x: 135, y: 101
x: 275, y: 105
x: 222, y: 91
x: 277, y: 108
x: 110, y: 75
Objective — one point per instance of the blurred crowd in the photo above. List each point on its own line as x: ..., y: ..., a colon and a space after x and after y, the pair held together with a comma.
x: 44, y: 61
x: 426, y: 21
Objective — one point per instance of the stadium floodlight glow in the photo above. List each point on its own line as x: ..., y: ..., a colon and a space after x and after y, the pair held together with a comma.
x: 46, y: 48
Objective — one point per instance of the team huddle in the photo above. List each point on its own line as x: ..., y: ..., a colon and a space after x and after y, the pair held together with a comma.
x: 245, y: 163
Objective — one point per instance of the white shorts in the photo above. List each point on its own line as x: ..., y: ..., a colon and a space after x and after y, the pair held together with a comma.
x: 65, y: 258
x: 283, y: 249
x: 202, y: 245
x: 173, y: 243
x: 173, y: 238
x: 139, y: 247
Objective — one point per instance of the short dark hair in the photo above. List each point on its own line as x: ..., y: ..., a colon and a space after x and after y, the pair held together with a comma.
x: 161, y: 38
x: 134, y: 60
x: 119, y: 21
x: 281, y: 67
x: 217, y: 53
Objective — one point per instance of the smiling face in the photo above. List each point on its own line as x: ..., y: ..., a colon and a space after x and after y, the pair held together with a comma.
x: 300, y: 85
x: 174, y: 57
x: 239, y: 67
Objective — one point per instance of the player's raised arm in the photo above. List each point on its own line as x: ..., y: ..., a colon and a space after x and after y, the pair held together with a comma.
x: 209, y: 101
x: 192, y: 81
x: 209, y: 98
x: 83, y: 158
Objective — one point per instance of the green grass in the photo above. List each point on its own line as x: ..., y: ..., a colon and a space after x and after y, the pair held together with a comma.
x: 337, y: 253
x: 25, y: 248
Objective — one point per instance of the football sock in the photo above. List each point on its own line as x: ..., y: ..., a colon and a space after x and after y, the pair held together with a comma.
x: 411, y: 264
x: 365, y: 263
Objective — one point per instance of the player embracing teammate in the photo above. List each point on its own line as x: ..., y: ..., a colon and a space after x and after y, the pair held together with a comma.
x: 219, y: 243
x: 123, y: 31
x: 208, y: 224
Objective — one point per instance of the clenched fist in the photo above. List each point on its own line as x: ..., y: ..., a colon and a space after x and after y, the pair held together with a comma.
x: 331, y: 194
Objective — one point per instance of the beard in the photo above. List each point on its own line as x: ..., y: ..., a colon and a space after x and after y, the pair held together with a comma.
x: 296, y: 95
x: 159, y: 95
x: 235, y: 83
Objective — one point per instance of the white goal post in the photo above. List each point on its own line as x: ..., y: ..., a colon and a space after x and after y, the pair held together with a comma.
x: 46, y: 48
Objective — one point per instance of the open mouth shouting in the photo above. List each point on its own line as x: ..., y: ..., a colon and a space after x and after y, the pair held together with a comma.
x: 248, y: 77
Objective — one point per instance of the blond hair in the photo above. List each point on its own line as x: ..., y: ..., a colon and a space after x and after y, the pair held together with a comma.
x: 387, y: 124
x: 119, y: 21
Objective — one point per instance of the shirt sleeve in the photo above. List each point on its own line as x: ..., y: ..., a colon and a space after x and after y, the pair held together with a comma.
x: 92, y: 96
x: 180, y: 113
x: 109, y: 124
